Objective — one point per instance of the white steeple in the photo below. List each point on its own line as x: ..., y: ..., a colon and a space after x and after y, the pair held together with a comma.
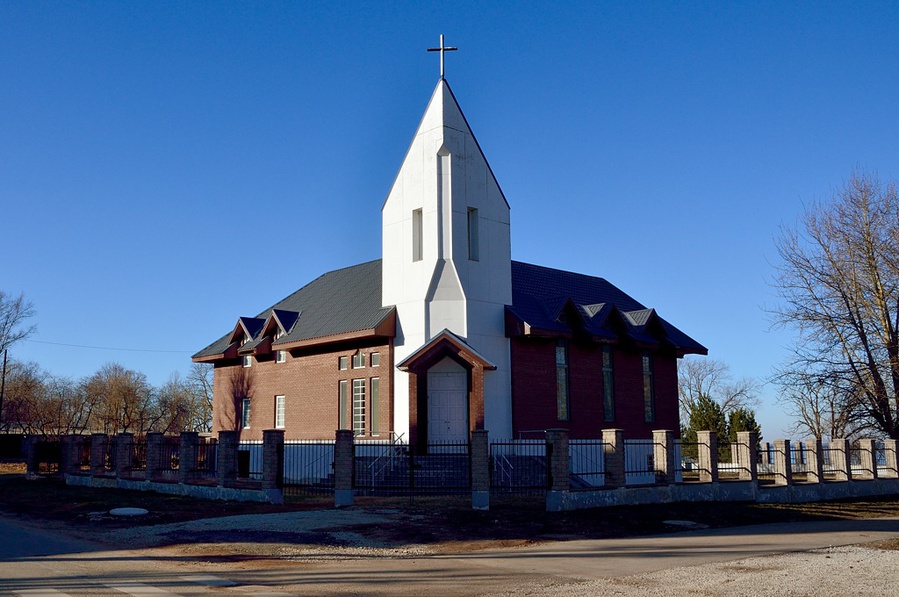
x: 446, y: 249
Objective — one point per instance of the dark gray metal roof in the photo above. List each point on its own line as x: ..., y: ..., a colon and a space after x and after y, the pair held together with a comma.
x: 349, y: 300
x: 338, y: 302
x: 540, y: 294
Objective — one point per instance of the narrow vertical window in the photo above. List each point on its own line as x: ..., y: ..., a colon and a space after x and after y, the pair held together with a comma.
x: 358, y: 407
x: 341, y: 363
x: 473, y: 234
x: 375, y: 406
x: 248, y: 361
x: 608, y: 384
x: 417, y: 241
x: 562, y: 394
x: 281, y: 356
x: 279, y: 412
x: 649, y: 403
x: 375, y: 359
x: 245, y: 413
x: 342, y: 405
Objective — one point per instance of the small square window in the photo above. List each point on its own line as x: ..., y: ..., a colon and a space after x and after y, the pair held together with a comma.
x: 375, y: 359
x: 358, y: 360
x: 281, y: 356
x: 341, y: 363
x: 248, y: 361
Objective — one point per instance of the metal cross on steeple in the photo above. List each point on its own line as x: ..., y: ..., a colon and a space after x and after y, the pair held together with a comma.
x: 442, y: 49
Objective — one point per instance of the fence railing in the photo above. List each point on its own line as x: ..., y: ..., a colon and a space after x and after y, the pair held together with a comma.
x: 519, y: 466
x: 308, y: 466
x: 394, y: 468
x: 545, y: 466
x: 639, y: 462
x: 587, y: 464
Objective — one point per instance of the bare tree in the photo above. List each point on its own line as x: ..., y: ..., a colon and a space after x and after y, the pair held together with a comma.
x: 14, y: 312
x: 240, y: 380
x: 822, y: 406
x: 707, y: 379
x: 122, y: 399
x: 200, y: 381
x: 838, y: 279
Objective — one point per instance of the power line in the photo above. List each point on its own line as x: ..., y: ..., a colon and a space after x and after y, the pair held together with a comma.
x: 109, y: 347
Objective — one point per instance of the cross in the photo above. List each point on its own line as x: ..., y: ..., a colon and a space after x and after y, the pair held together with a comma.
x: 442, y: 49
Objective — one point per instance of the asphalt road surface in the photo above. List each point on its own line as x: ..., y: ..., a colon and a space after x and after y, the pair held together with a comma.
x: 37, y: 562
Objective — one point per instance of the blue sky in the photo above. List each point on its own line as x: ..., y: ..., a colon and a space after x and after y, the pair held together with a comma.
x: 168, y: 166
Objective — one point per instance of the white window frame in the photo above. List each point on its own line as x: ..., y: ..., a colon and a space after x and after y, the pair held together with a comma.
x: 358, y: 407
x: 374, y: 359
x: 417, y: 235
x: 280, y: 356
x: 342, y: 363
x: 245, y: 413
x: 473, y: 241
x: 247, y: 360
x: 280, y: 411
x: 359, y: 360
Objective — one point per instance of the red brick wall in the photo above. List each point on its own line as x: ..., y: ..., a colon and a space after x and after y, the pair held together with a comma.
x: 309, y: 383
x: 534, y: 389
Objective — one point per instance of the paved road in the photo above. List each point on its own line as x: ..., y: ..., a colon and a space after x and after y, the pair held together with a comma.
x: 39, y: 563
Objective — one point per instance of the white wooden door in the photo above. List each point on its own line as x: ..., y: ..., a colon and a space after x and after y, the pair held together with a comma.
x: 447, y: 407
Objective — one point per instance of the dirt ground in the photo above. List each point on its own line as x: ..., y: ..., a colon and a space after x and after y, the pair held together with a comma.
x: 442, y: 524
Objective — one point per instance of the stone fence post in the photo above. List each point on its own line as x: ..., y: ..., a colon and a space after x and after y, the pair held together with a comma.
x: 559, y: 467
x: 155, y: 442
x: 32, y: 466
x: 867, y: 455
x: 69, y: 455
x: 189, y: 452
x: 663, y: 456
x: 613, y: 453
x: 783, y: 465
x: 480, y: 469
x: 124, y: 454
x: 226, y: 458
x: 99, y: 443
x: 892, y: 462
x: 343, y: 468
x: 747, y: 455
x: 272, y: 459
x: 707, y: 454
x: 814, y: 452
x: 840, y: 459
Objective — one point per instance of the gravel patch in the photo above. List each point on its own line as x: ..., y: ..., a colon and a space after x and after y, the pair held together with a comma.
x: 851, y: 570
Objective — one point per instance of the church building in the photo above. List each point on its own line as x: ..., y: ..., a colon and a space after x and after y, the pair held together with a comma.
x: 445, y: 333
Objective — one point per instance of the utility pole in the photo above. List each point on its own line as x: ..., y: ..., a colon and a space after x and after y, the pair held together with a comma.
x: 3, y: 386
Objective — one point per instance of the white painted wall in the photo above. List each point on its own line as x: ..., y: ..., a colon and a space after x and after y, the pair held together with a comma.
x: 445, y: 289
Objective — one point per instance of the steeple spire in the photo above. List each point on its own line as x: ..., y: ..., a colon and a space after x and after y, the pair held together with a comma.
x: 442, y: 49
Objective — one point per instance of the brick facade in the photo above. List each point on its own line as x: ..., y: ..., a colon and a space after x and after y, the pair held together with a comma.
x: 534, y: 404
x: 309, y: 381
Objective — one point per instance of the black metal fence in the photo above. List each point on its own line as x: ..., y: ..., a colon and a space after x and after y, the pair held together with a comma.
x: 400, y: 469
x: 308, y: 467
x: 519, y: 466
x: 587, y: 465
